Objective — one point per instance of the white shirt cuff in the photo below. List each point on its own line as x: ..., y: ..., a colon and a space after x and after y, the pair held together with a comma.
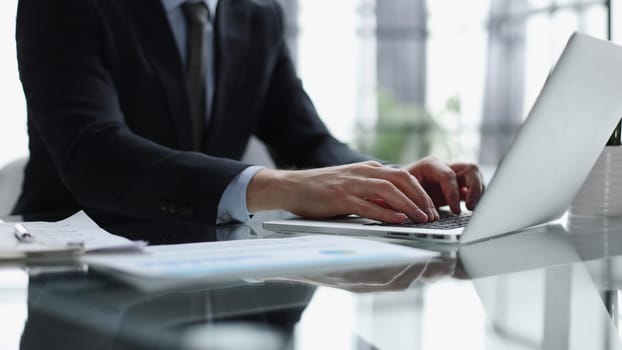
x: 232, y: 206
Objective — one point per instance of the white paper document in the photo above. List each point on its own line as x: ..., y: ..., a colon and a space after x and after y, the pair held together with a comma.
x: 75, y: 235
x: 258, y: 258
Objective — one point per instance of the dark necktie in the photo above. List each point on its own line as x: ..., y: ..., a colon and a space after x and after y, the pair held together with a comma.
x: 197, y: 17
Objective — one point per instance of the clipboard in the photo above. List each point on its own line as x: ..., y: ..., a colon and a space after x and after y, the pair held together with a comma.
x: 20, y: 253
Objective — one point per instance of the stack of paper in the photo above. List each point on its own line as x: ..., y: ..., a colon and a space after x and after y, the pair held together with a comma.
x: 67, y: 238
x: 277, y: 257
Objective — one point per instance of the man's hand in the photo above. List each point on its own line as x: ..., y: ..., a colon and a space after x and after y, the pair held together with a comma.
x: 368, y: 189
x: 448, y: 184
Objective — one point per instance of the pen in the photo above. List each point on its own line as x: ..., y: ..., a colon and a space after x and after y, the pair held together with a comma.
x: 22, y: 234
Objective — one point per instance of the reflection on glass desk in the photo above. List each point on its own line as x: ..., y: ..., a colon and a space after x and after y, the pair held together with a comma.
x: 550, y: 287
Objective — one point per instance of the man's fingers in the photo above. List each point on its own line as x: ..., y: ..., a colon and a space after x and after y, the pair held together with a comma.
x: 379, y: 202
x: 451, y: 191
x: 475, y: 189
x: 394, y: 198
x: 367, y: 209
x: 436, y: 171
x: 410, y: 186
x: 472, y: 180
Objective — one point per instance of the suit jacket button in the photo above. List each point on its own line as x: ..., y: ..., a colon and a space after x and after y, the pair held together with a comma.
x: 172, y: 208
x: 163, y: 205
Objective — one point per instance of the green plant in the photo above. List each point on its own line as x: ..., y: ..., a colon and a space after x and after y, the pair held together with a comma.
x: 403, y: 132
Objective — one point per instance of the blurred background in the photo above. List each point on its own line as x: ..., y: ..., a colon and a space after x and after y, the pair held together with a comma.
x: 401, y: 79
x: 398, y: 79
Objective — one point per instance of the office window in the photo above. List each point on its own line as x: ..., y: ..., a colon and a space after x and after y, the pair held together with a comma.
x: 524, y: 40
x: 14, y: 139
x: 402, y: 78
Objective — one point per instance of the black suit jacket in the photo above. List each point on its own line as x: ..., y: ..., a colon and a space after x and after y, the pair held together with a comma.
x: 108, y: 113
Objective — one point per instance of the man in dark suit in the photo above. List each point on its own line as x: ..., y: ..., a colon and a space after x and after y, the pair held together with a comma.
x: 113, y: 100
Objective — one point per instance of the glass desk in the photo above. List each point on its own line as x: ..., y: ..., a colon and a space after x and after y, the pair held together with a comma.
x: 552, y: 287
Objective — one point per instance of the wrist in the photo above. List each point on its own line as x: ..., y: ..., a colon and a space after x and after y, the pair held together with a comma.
x: 268, y: 190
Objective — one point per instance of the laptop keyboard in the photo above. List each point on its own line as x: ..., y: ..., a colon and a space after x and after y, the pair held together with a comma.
x: 447, y: 221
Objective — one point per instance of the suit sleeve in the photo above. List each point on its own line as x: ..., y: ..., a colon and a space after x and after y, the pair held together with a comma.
x: 290, y: 125
x: 73, y: 105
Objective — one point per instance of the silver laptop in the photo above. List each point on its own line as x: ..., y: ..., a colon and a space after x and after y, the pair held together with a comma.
x: 550, y: 158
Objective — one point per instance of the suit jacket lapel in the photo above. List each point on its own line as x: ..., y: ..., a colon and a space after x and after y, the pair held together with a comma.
x: 155, y: 36
x: 231, y: 35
